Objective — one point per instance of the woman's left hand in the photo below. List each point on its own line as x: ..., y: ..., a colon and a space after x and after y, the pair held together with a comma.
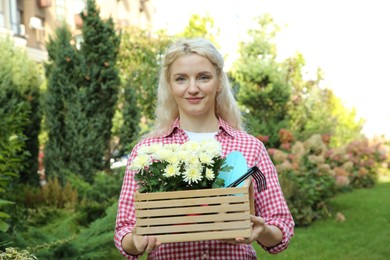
x: 258, y: 227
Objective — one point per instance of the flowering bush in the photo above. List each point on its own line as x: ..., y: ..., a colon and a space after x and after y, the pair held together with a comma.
x: 311, y: 172
x: 171, y: 167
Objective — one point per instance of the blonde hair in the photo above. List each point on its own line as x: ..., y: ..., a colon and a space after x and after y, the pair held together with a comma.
x: 167, y: 110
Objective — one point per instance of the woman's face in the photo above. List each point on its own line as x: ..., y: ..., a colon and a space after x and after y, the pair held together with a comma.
x: 194, y: 84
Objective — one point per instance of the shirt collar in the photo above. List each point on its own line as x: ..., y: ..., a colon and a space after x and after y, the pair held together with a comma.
x: 225, y: 127
x: 175, y: 125
x: 222, y: 125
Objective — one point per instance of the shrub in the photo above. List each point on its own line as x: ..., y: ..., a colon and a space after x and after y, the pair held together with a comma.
x: 20, y: 110
x: 12, y: 253
x: 310, y: 172
x: 19, y: 122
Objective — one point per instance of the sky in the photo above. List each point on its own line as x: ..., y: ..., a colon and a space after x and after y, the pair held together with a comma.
x: 348, y: 39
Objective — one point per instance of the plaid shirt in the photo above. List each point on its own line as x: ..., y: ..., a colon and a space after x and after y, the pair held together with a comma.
x: 269, y: 204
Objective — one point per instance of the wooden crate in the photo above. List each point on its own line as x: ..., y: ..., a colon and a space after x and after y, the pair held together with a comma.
x: 195, y: 215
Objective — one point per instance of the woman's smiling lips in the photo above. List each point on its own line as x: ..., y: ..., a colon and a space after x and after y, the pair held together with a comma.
x: 194, y: 100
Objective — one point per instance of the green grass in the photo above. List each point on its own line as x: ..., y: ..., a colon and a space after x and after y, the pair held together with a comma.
x: 365, y: 233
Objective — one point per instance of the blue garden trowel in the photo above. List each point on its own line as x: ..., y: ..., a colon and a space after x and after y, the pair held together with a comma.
x: 237, y: 161
x: 239, y: 172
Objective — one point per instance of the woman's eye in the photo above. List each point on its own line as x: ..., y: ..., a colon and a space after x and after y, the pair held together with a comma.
x: 180, y: 79
x: 204, y: 77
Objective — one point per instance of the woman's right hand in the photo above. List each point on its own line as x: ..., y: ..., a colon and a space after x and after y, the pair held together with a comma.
x: 136, y: 245
x: 145, y: 243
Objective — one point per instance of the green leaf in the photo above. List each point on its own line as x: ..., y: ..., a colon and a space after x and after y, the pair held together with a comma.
x: 3, y: 226
x: 5, y: 202
x: 4, y: 215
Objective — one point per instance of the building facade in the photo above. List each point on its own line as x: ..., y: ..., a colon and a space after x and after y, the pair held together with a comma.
x: 30, y: 22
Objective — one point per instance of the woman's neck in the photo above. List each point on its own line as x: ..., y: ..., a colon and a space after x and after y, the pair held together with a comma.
x: 199, y: 124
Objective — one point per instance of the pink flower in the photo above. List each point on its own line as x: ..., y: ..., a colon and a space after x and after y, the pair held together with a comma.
x: 263, y: 138
x: 342, y: 181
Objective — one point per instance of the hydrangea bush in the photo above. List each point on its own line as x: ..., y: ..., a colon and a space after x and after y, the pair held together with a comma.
x: 311, y: 172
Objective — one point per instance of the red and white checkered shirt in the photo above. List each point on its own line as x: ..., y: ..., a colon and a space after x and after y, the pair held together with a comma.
x: 269, y: 204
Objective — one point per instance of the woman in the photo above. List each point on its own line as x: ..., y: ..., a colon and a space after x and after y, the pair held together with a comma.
x: 195, y: 101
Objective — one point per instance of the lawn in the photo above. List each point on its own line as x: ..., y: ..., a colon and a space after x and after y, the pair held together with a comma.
x: 365, y: 233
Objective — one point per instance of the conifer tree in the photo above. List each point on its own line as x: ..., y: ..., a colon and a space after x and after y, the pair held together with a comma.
x: 130, y: 129
x: 62, y: 81
x: 81, y: 97
x: 99, y: 92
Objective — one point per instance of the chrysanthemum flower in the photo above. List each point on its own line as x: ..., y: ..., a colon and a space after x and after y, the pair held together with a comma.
x: 171, y: 170
x: 210, y: 174
x: 140, y: 162
x: 191, y: 175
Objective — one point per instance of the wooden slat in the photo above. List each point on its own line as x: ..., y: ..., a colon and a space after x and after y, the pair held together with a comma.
x: 190, y: 202
x: 192, y: 219
x: 192, y: 210
x: 189, y: 193
x: 179, y: 228
x: 215, y: 235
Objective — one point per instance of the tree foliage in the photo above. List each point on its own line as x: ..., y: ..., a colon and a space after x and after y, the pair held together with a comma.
x: 19, y: 122
x: 276, y: 95
x: 317, y: 110
x: 99, y: 50
x: 139, y: 62
x: 61, y: 101
x: 81, y: 97
x: 200, y: 26
x: 20, y: 81
x: 263, y: 92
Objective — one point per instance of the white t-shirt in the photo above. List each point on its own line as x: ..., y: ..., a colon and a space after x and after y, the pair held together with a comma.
x: 200, y: 136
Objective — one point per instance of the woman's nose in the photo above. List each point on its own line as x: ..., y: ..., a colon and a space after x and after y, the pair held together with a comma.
x: 193, y: 87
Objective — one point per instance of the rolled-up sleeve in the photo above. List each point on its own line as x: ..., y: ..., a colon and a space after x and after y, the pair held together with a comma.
x: 125, y: 219
x: 271, y: 205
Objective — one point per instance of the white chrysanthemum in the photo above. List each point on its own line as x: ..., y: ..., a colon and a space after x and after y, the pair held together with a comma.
x: 191, y: 175
x: 209, y: 174
x: 206, y: 158
x: 143, y: 149
x: 162, y: 154
x: 140, y: 162
x: 182, y: 155
x: 212, y: 147
x: 191, y: 160
x: 172, y: 158
x: 171, y: 170
x: 149, y: 149
x: 192, y: 146
x: 173, y: 147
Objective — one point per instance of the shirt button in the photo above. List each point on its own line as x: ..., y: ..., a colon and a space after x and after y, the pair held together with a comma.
x: 205, y: 256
